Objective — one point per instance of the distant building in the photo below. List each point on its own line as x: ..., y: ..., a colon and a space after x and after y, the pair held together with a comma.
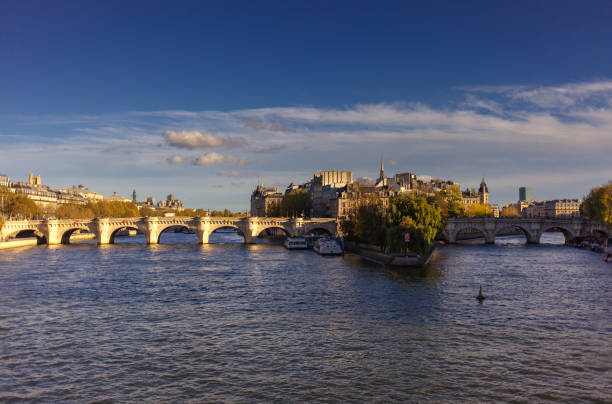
x: 115, y: 197
x: 4, y: 180
x: 495, y: 210
x: 324, y: 187
x: 473, y: 197
x: 263, y: 198
x: 171, y: 203
x: 134, y: 199
x: 525, y: 194
x: 554, y: 208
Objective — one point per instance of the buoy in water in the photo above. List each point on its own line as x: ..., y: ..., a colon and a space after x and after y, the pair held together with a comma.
x: 480, y: 296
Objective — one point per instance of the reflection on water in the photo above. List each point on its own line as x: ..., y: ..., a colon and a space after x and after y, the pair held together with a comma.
x: 232, y: 322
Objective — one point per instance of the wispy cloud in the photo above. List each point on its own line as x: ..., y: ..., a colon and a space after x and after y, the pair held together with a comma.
x: 194, y: 139
x: 213, y: 159
x: 561, y: 96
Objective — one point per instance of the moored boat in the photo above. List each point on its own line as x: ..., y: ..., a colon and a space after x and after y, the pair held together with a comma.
x: 296, y: 243
x: 326, y: 246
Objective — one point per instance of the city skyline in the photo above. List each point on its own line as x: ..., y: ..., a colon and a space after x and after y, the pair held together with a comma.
x: 203, y: 103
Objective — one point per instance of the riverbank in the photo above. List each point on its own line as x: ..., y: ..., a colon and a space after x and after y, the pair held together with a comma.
x: 33, y: 241
x: 373, y: 253
x: 19, y: 242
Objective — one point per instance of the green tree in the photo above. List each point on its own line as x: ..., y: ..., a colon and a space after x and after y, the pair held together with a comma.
x: 369, y: 225
x: 417, y: 216
x: 296, y: 203
x: 454, y: 202
x: 598, y: 204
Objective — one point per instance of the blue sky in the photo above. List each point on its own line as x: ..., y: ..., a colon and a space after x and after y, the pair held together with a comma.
x: 205, y: 99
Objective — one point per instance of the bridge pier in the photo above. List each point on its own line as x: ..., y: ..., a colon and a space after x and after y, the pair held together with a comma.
x: 50, y: 229
x: 151, y: 230
x: 102, y: 231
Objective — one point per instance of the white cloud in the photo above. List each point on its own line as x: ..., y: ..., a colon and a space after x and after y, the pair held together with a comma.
x: 213, y: 159
x: 176, y: 160
x: 194, y: 139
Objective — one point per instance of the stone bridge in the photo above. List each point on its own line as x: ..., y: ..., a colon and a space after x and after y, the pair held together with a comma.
x: 53, y: 231
x: 532, y: 228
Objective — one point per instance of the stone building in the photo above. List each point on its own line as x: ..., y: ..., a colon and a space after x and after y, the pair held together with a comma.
x: 325, y: 186
x: 4, y: 180
x: 115, y: 197
x: 553, y: 208
x: 473, y: 197
x: 171, y: 204
x: 262, y: 198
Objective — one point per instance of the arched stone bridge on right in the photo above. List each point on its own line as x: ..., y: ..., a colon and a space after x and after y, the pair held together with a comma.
x: 490, y: 228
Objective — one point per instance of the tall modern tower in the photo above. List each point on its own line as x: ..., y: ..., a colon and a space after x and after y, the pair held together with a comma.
x: 525, y: 194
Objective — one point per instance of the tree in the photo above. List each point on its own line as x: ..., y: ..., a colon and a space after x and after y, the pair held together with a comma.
x: 414, y: 215
x: 598, y: 204
x: 73, y: 211
x: 369, y: 223
x: 454, y: 201
x: 478, y: 210
x: 17, y: 205
x: 509, y: 211
x: 297, y: 203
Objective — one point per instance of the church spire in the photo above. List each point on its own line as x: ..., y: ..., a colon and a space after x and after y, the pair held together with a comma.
x: 382, y: 169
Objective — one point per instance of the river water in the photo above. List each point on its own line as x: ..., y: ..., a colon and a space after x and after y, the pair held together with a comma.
x: 234, y: 323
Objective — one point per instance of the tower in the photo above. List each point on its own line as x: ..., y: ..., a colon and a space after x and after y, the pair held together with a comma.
x: 381, y: 177
x: 525, y: 194
x: 483, y: 192
x: 134, y: 196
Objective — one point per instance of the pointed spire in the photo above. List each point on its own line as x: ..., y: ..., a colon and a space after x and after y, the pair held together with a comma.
x: 382, y: 169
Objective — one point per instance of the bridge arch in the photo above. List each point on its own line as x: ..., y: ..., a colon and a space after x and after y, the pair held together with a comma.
x: 29, y: 232
x: 567, y: 233
x: 470, y: 229
x: 319, y: 230
x: 510, y: 228
x: 218, y: 233
x: 117, y: 229
x: 262, y: 229
x: 174, y: 226
x: 66, y: 234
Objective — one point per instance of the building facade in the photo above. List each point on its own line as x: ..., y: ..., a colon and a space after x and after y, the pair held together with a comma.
x: 262, y: 198
x: 554, y: 208
x: 324, y: 187
x: 473, y: 197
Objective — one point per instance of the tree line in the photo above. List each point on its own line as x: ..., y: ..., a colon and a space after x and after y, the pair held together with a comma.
x: 20, y: 206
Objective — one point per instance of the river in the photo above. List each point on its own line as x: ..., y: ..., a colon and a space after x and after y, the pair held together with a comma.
x: 181, y: 322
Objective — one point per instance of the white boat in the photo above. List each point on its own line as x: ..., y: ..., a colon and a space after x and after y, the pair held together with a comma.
x: 326, y: 246
x: 296, y: 243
